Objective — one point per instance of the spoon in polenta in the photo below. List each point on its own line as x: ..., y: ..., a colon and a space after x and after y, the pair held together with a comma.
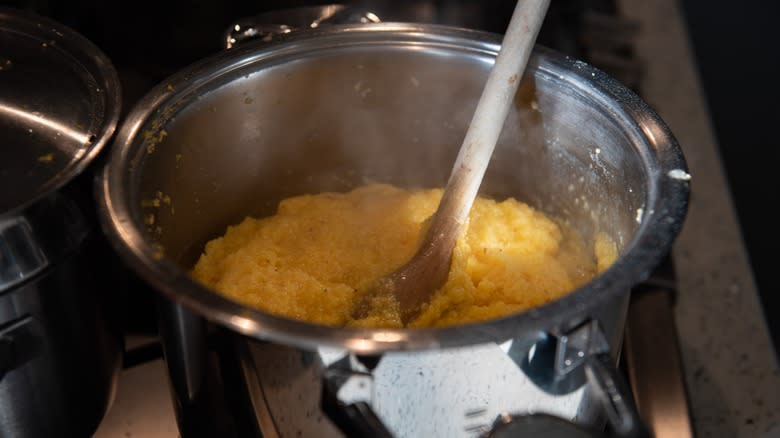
x: 413, y: 284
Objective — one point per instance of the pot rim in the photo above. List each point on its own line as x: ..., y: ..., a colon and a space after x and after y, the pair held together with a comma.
x: 665, y: 206
x: 96, y: 63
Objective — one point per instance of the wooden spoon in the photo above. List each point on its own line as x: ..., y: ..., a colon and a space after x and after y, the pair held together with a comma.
x: 415, y: 282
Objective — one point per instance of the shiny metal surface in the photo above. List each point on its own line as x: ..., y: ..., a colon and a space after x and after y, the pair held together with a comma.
x: 60, y: 328
x: 59, y: 105
x: 19, y: 341
x: 611, y: 390
x: 63, y: 361
x: 454, y: 392
x: 51, y: 229
x: 20, y: 257
x: 193, y: 360
x: 270, y: 25
x: 191, y: 376
x: 734, y: 340
x: 538, y: 425
x: 653, y: 358
x: 333, y: 108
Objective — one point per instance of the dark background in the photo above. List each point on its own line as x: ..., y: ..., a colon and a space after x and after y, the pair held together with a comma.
x: 733, y: 42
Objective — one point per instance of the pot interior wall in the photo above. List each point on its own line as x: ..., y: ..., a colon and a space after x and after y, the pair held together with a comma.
x: 340, y: 118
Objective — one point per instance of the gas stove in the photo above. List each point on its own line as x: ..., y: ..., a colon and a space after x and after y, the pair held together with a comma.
x: 614, y: 36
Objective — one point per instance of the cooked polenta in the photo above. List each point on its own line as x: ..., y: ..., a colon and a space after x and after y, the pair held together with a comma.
x: 318, y: 254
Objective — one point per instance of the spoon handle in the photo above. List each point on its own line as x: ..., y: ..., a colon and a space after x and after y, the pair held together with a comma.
x: 414, y: 283
x: 491, y: 112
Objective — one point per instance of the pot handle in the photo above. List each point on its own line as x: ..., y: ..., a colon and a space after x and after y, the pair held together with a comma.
x: 355, y: 418
x: 19, y: 342
x: 612, y: 391
x: 347, y: 392
x: 272, y: 25
x: 348, y: 389
x: 560, y: 364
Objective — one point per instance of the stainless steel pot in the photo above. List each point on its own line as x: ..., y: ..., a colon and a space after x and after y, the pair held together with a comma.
x: 332, y: 108
x: 60, y: 340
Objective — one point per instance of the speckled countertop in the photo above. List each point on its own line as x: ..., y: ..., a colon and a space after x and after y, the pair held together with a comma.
x: 731, y: 369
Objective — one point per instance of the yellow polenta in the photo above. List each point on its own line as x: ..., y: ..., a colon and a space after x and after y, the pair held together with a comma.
x: 313, y: 259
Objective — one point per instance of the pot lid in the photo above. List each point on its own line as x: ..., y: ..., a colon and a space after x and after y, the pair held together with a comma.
x: 59, y: 105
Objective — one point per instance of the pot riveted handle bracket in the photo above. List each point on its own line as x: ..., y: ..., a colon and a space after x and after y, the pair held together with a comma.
x: 348, y: 393
x: 560, y: 364
x: 555, y: 363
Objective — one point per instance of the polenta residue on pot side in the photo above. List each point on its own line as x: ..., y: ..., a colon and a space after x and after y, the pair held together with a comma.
x: 312, y: 260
